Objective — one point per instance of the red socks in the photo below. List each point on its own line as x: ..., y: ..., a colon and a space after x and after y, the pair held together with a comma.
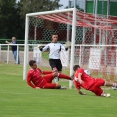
x: 64, y: 76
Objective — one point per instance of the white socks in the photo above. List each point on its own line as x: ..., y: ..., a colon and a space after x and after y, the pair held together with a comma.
x: 106, y: 94
x: 56, y: 80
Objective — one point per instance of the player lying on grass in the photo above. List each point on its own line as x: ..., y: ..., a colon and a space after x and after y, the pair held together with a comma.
x: 36, y: 79
x: 81, y: 79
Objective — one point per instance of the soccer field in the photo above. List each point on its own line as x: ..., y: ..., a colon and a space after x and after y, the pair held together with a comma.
x: 17, y: 99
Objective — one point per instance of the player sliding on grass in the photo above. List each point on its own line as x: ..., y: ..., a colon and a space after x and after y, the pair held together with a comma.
x: 81, y: 79
x: 36, y: 80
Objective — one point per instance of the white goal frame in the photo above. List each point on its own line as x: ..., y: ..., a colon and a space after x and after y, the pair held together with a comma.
x: 103, y: 26
x: 72, y: 39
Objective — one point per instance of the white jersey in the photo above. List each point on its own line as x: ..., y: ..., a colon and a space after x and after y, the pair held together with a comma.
x: 55, y: 49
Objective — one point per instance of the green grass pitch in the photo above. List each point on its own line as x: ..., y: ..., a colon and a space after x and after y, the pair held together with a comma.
x: 17, y: 99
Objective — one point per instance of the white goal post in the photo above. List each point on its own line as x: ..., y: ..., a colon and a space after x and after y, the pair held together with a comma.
x: 27, y: 32
x: 84, y: 29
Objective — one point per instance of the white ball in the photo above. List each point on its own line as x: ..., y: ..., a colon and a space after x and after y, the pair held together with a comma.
x: 87, y: 72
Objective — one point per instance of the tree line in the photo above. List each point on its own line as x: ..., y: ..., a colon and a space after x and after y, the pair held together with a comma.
x: 12, y: 15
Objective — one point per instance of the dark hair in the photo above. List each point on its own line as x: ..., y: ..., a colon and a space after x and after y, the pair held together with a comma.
x: 75, y: 67
x: 54, y: 34
x: 31, y: 62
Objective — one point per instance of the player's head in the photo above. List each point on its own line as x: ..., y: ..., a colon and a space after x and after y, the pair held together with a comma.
x: 54, y: 37
x: 13, y: 39
x: 33, y: 64
x: 75, y: 67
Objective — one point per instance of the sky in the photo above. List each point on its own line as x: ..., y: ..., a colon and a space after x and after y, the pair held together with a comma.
x: 64, y: 2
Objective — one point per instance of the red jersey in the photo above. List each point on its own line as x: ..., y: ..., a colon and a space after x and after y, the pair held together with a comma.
x: 34, y: 78
x: 88, y: 81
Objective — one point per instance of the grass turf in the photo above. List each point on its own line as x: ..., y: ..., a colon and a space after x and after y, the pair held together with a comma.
x: 17, y: 99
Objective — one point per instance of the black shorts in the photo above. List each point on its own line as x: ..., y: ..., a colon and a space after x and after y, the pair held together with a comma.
x: 55, y: 63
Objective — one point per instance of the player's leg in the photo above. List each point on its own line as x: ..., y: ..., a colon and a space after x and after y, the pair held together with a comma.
x: 96, y: 88
x: 63, y: 76
x: 111, y: 84
x: 17, y: 61
x: 51, y: 86
x: 14, y: 55
x: 18, y: 58
x: 50, y: 77
x: 58, y: 66
x: 52, y: 63
x: 99, y: 92
x: 48, y: 81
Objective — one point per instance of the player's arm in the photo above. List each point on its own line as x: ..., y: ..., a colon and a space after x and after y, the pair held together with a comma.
x: 66, y: 46
x: 63, y: 47
x: 7, y: 42
x: 81, y: 93
x: 78, y: 87
x: 79, y: 78
x: 43, y: 48
x: 29, y: 82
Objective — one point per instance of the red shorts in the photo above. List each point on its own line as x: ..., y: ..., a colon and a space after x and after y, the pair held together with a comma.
x: 48, y: 82
x: 95, y: 88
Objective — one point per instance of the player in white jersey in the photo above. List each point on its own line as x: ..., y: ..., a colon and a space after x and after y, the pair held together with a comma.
x: 54, y: 56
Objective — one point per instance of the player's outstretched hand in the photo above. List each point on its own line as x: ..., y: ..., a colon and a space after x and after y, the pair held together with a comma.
x: 6, y: 42
x: 37, y: 88
x: 39, y: 46
x: 82, y: 93
x: 68, y: 44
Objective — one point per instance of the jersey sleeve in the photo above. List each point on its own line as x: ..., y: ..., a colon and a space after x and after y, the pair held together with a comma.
x: 29, y: 81
x: 77, y: 85
x: 62, y: 47
x: 46, y: 47
x: 80, y: 70
x: 40, y: 70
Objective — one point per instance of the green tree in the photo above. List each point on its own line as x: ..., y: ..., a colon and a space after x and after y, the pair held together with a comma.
x: 31, y: 6
x: 12, y: 15
x: 10, y: 22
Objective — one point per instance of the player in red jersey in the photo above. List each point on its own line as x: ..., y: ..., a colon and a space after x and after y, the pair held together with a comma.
x: 81, y: 79
x: 35, y: 77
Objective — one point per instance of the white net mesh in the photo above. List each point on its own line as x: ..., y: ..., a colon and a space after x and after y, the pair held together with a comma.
x: 91, y: 30
x: 101, y: 60
x: 41, y: 30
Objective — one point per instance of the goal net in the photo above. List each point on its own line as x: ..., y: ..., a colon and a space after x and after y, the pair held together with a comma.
x: 93, y: 39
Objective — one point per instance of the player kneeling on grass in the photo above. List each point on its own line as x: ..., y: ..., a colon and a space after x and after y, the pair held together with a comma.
x: 81, y: 79
x: 36, y: 80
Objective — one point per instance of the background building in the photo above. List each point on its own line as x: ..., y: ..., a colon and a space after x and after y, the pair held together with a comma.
x: 105, y: 7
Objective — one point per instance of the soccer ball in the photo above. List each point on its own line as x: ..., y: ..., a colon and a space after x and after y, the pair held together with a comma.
x: 87, y: 72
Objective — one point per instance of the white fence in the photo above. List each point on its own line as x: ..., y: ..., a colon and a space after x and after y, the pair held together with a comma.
x: 101, y: 60
x: 6, y: 54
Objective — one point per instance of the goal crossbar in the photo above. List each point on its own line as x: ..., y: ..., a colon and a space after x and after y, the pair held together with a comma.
x: 37, y: 22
